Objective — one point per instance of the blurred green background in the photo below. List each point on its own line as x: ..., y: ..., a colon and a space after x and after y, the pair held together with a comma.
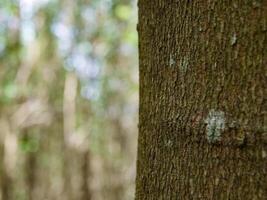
x: 68, y: 99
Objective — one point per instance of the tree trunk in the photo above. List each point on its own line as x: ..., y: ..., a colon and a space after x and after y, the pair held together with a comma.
x: 85, y: 173
x: 202, y: 121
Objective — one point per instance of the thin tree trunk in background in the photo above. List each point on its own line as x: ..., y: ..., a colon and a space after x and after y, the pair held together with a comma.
x: 8, y: 159
x: 5, y: 183
x: 69, y: 112
x: 30, y: 169
x: 5, y: 179
x: 202, y: 121
x: 85, y: 172
x: 75, y: 149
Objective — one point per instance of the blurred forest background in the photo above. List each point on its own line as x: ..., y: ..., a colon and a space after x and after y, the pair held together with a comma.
x: 68, y: 99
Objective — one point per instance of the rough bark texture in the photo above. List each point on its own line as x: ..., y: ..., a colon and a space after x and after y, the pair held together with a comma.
x: 202, y: 128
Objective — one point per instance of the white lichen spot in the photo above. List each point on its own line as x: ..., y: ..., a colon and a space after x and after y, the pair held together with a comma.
x: 168, y: 143
x: 233, y: 39
x: 172, y: 61
x: 215, y: 125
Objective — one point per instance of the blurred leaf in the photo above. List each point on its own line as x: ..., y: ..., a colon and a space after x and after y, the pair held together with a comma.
x: 123, y: 12
x: 131, y: 37
x: 29, y: 144
x: 10, y: 91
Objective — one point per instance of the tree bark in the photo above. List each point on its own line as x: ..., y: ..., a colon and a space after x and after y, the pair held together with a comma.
x: 202, y: 119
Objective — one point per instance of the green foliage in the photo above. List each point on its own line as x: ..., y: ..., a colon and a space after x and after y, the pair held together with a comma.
x: 10, y: 91
x: 29, y: 144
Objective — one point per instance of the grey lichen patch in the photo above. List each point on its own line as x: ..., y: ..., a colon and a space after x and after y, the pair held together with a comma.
x: 264, y: 154
x: 233, y: 39
x: 264, y: 24
x: 217, y: 180
x: 215, y: 125
x: 256, y: 4
x: 183, y: 65
x: 171, y: 61
x: 191, y: 182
